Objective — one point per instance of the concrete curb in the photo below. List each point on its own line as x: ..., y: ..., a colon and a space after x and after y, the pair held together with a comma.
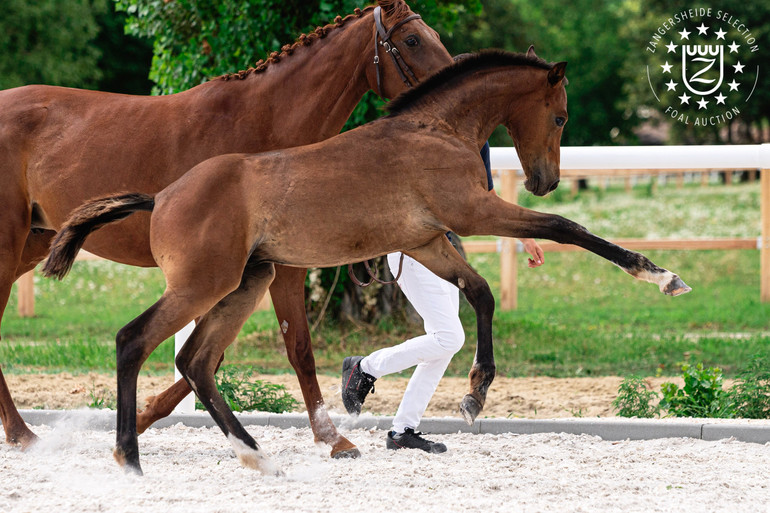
x: 607, y: 429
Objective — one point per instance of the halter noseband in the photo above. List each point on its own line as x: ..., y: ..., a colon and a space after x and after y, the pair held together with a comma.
x: 382, y: 38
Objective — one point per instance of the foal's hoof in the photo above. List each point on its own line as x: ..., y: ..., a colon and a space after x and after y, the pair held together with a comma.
x: 470, y: 407
x: 351, y: 453
x: 676, y: 287
x: 129, y: 467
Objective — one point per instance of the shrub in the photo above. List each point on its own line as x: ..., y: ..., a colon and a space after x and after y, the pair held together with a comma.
x: 243, y: 394
x: 701, y: 396
x: 750, y: 395
x: 634, y: 399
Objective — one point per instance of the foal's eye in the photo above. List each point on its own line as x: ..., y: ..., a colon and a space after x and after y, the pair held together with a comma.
x: 412, y: 41
x: 560, y: 121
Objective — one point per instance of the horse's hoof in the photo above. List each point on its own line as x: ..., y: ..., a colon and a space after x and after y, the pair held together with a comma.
x: 129, y: 467
x: 676, y: 287
x: 470, y: 407
x: 26, y: 439
x: 351, y: 453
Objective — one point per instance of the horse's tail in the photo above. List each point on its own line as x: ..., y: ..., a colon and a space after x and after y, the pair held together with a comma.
x: 85, y: 219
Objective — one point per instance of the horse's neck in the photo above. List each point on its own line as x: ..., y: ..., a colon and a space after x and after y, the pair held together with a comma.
x: 474, y: 108
x: 306, y: 96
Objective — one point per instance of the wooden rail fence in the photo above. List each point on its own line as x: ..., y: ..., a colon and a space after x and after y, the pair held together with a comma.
x: 603, y: 162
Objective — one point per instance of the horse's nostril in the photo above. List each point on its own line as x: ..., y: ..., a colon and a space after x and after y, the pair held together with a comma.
x: 554, y: 185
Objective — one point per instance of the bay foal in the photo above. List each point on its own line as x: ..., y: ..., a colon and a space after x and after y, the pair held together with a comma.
x: 219, y: 230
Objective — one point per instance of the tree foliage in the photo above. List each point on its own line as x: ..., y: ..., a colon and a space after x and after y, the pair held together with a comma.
x: 49, y: 42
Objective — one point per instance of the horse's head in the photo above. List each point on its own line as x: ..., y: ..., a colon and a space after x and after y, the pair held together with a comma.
x: 537, y: 134
x: 407, y: 50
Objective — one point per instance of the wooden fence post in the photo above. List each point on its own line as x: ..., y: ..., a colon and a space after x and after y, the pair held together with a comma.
x: 764, y: 253
x: 509, y: 296
x: 26, y: 294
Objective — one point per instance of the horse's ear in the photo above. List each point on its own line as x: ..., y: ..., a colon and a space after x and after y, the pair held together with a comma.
x: 531, y: 51
x: 556, y: 74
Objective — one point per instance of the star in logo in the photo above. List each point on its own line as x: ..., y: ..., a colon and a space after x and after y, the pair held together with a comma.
x: 702, y: 103
x: 720, y: 34
x: 671, y: 47
x: 702, y: 29
x: 684, y: 34
x: 685, y: 99
x: 733, y: 47
x: 733, y: 85
x: 671, y: 85
x: 666, y: 67
x: 720, y: 99
x: 738, y: 67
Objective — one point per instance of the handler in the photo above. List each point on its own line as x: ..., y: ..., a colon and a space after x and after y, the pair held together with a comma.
x: 437, y: 301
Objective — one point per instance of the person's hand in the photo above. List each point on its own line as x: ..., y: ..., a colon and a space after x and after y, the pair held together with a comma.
x: 534, y: 249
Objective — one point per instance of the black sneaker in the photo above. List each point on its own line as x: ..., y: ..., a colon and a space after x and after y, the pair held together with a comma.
x: 410, y: 439
x: 356, y: 384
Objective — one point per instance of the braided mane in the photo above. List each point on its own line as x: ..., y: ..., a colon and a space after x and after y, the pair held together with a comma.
x: 395, y: 9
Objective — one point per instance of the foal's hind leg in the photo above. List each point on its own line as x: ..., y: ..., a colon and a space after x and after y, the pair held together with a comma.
x: 162, y: 405
x: 288, y: 294
x: 200, y: 355
x: 137, y: 340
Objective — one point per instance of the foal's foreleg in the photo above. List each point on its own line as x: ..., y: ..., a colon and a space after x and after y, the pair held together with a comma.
x: 199, y: 357
x: 498, y: 217
x: 443, y: 260
x: 288, y: 294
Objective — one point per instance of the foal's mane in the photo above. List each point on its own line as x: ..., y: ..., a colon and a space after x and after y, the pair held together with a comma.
x: 396, y: 11
x: 485, y: 59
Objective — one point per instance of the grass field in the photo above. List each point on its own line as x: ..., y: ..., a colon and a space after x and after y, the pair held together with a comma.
x: 578, y: 314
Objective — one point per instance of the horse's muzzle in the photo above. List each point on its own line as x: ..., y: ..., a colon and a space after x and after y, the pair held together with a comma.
x: 540, y: 187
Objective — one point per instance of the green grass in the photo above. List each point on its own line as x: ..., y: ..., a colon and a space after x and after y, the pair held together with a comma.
x: 578, y: 314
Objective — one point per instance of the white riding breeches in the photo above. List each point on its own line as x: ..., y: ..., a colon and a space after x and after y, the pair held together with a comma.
x: 437, y: 301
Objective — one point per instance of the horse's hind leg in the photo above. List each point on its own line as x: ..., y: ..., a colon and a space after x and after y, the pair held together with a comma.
x: 162, y: 405
x: 200, y: 355
x: 288, y: 295
x: 136, y: 341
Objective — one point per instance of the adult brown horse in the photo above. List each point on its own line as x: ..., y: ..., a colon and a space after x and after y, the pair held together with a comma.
x: 218, y: 231
x: 60, y: 147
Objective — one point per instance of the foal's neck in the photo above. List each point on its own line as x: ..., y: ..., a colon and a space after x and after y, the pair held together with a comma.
x: 484, y: 100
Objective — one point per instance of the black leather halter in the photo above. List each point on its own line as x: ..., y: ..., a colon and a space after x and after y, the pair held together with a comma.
x: 382, y: 38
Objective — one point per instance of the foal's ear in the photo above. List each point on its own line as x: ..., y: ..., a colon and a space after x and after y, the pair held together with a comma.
x: 556, y: 74
x: 531, y: 51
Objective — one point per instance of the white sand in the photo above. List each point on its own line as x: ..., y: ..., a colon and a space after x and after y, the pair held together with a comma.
x: 195, y: 470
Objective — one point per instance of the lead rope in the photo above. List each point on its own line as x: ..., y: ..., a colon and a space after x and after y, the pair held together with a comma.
x: 373, y: 275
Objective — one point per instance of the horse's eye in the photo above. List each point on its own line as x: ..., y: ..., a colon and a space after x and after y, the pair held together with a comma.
x: 412, y: 41
x: 560, y: 121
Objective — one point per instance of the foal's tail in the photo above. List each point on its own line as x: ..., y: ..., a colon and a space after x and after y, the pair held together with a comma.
x: 85, y: 219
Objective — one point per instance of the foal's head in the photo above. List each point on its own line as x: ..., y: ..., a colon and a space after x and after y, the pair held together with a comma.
x: 536, y: 129
x: 417, y: 45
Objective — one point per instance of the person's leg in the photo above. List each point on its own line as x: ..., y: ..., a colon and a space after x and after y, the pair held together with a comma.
x: 437, y: 302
